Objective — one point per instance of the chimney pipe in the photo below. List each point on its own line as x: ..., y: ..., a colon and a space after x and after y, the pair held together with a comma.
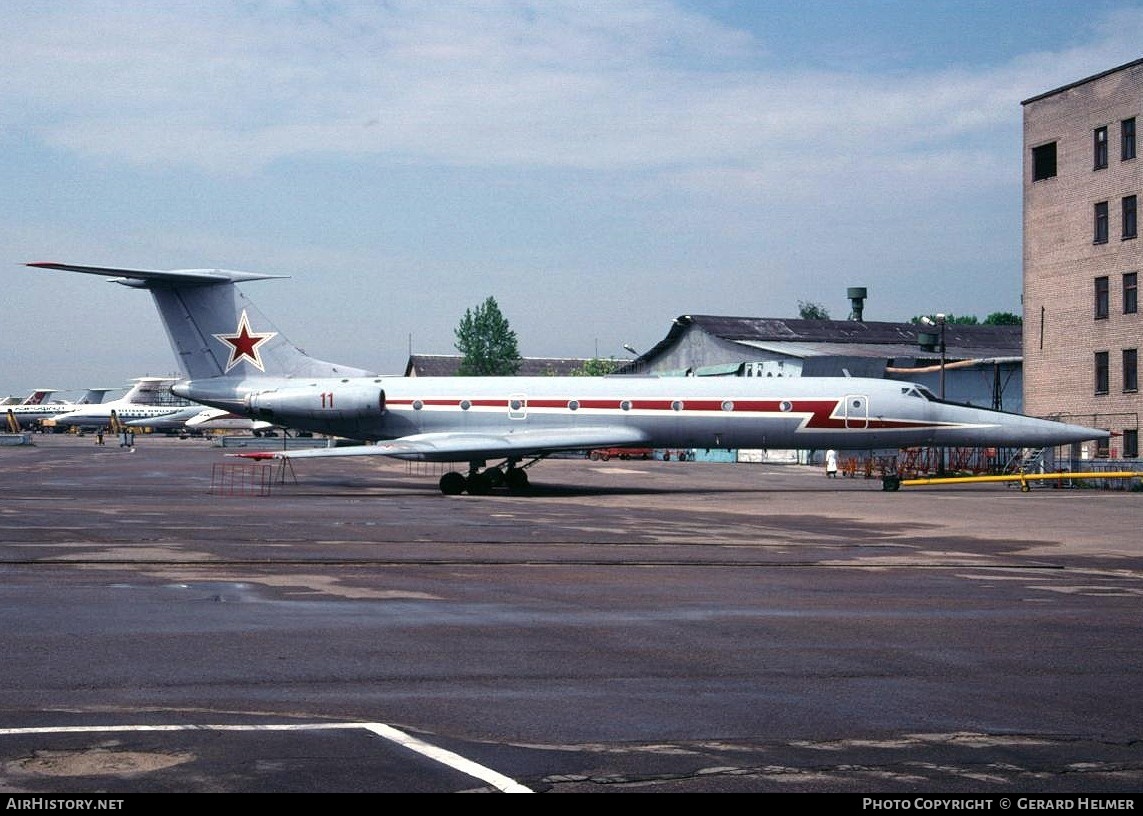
x: 856, y: 295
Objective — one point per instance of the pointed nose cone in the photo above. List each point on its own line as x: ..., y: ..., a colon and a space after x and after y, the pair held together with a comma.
x: 982, y: 427
x: 1049, y: 433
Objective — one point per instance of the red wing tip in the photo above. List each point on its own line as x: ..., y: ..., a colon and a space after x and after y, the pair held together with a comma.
x: 258, y: 455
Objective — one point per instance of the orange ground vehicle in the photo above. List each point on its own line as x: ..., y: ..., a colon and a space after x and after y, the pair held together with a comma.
x: 603, y: 454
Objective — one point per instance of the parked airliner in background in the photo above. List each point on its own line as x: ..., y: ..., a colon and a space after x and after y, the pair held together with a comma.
x: 148, y: 398
x: 197, y: 419
x: 212, y: 419
x: 233, y: 358
x: 37, y: 408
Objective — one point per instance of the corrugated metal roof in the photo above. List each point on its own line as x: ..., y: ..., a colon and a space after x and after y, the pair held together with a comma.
x: 887, y: 350
x: 813, y: 339
x: 850, y: 332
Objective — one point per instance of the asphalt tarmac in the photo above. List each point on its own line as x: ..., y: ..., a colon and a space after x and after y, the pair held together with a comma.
x: 176, y: 620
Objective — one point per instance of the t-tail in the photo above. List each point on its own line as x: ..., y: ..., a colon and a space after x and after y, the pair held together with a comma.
x: 214, y: 330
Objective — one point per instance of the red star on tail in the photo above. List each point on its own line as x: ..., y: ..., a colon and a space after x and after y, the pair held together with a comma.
x: 243, y: 344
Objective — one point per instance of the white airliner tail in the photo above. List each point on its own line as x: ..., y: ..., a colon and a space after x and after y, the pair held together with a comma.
x: 94, y: 396
x: 38, y: 396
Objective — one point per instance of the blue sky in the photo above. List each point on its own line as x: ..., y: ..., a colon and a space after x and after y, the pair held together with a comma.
x: 598, y: 167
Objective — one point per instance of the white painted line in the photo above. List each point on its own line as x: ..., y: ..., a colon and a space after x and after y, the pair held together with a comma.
x: 448, y: 758
x: 454, y: 761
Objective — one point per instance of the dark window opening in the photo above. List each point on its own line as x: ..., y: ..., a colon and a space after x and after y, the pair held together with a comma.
x: 1131, y: 443
x: 1130, y: 370
x: 1130, y: 292
x: 1127, y: 139
x: 1103, y: 448
x: 1100, y: 148
x: 1044, y: 162
x: 1130, y: 210
x: 1101, y: 372
x: 1102, y: 289
x: 1100, y: 230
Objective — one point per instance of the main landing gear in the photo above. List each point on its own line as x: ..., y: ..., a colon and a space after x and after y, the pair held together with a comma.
x: 481, y: 481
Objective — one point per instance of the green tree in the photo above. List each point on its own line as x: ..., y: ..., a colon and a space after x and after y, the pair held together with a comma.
x: 596, y: 367
x: 963, y: 320
x: 1003, y: 319
x: 808, y: 310
x: 487, y: 342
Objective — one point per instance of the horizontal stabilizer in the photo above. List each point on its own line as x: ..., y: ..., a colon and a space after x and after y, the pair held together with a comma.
x: 158, y: 277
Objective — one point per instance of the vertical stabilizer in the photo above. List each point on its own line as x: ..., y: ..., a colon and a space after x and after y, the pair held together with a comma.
x: 94, y: 396
x: 148, y: 391
x: 214, y: 329
x: 38, y: 396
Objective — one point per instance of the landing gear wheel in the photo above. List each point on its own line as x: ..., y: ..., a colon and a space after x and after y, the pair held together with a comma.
x: 479, y: 484
x: 453, y: 483
x: 516, y: 478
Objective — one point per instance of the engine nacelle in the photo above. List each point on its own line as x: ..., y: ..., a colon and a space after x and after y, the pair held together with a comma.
x: 327, y: 405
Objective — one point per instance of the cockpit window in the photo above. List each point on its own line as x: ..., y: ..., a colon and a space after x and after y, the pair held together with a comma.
x: 918, y: 391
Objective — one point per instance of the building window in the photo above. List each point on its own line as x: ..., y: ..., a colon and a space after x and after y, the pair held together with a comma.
x: 1101, y: 373
x: 1101, y: 298
x: 1100, y: 236
x: 1130, y: 204
x: 1127, y: 139
x: 1130, y: 292
x: 1130, y: 370
x: 1103, y: 448
x: 1100, y: 148
x: 1131, y: 443
x: 1044, y: 162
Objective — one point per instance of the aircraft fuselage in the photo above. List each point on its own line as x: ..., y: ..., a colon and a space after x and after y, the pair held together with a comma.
x: 713, y: 412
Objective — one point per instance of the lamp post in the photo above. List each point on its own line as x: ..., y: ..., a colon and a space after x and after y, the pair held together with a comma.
x: 634, y: 363
x: 940, y: 321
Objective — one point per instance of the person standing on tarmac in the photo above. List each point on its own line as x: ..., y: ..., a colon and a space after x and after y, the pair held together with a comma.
x: 831, y: 464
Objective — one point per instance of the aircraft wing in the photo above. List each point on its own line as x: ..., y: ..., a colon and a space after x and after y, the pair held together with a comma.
x: 461, y: 446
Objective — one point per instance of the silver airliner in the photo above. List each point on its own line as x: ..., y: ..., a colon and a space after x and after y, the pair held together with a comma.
x: 234, y: 359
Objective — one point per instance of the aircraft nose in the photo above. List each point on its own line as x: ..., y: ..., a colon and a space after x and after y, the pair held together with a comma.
x: 1060, y: 433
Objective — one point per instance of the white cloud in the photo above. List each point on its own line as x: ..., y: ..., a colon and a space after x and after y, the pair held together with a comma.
x: 231, y: 88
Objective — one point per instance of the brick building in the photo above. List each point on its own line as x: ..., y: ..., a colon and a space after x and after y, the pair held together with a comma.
x: 1082, y: 256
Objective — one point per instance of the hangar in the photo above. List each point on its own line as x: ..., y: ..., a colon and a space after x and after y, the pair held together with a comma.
x: 977, y: 364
